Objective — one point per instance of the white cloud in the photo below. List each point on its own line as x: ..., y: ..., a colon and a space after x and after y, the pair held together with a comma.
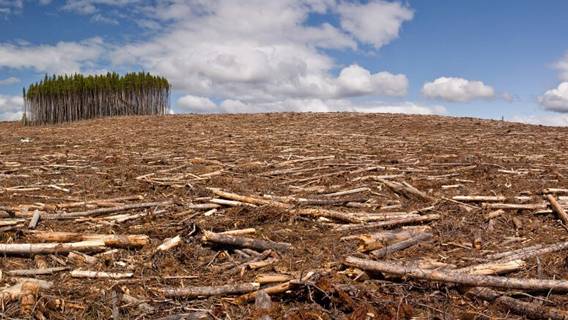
x: 63, y: 57
x: 196, y: 104
x: 11, y: 6
x: 556, y: 120
x: 556, y: 99
x: 87, y: 7
x: 11, y: 107
x: 302, y: 105
x: 257, y: 51
x: 457, y: 89
x: 355, y: 80
x: 376, y: 23
x: 9, y: 81
x: 562, y: 67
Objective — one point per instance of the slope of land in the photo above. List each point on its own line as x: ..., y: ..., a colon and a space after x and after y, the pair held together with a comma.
x: 391, y: 167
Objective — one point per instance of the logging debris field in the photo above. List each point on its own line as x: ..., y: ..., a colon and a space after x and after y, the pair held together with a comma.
x: 284, y: 216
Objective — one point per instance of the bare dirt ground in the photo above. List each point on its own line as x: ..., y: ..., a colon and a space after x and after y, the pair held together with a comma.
x: 279, y: 158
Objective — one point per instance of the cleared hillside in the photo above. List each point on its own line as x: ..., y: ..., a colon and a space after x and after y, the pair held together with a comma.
x: 318, y: 182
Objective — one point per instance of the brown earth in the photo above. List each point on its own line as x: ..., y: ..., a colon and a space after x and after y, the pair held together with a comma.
x: 102, y: 159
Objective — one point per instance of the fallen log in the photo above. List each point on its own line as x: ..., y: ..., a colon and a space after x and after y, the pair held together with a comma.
x: 390, y: 223
x: 383, y: 252
x: 110, y: 240
x: 101, y: 211
x: 457, y: 277
x: 538, y: 252
x: 194, y: 292
x: 479, y: 198
x: 527, y: 309
x: 169, y: 244
x: 247, y: 199
x: 500, y: 255
x: 406, y: 189
x: 517, y: 206
x: 243, y: 242
x: 35, y: 272
x: 100, y: 274
x: 276, y: 289
x: 558, y: 209
x: 494, y: 267
x: 35, y: 219
x: 45, y: 248
x: 332, y: 214
x: 14, y: 292
x: 347, y: 192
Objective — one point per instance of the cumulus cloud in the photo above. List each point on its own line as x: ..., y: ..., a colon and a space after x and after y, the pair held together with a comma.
x: 376, y: 22
x: 260, y: 51
x: 63, y: 57
x: 189, y: 103
x: 562, y: 67
x: 201, y: 104
x: 9, y: 81
x: 87, y: 7
x: 556, y: 99
x: 556, y: 120
x: 11, y: 107
x: 11, y: 6
x: 457, y: 89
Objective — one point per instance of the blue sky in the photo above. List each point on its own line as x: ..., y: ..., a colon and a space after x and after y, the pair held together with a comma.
x: 478, y: 58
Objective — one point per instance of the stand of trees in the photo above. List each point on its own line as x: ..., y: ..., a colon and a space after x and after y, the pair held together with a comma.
x: 68, y: 98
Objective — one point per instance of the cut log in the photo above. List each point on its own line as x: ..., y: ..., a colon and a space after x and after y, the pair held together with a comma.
x: 494, y: 267
x: 390, y: 223
x: 526, y: 309
x: 100, y: 274
x: 332, y: 214
x: 194, y: 292
x: 531, y: 252
x: 247, y: 199
x: 110, y: 240
x: 14, y: 292
x: 383, y: 252
x: 80, y: 258
x: 169, y: 244
x: 101, y: 211
x: 243, y: 242
x: 45, y: 248
x: 276, y: 289
x: 517, y: 206
x: 97, y: 202
x: 231, y: 203
x: 347, y: 192
x: 405, y: 189
x: 457, y: 277
x: 239, y: 231
x: 558, y: 209
x: 479, y: 198
x: 35, y: 272
x: 34, y: 220
x: 272, y: 278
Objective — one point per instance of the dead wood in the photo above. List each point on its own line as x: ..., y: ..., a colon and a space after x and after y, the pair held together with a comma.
x: 416, y: 239
x: 457, y: 277
x: 243, y: 242
x: 195, y: 292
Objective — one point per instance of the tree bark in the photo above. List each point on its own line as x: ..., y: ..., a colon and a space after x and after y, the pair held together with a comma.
x: 457, y: 277
x: 194, y: 292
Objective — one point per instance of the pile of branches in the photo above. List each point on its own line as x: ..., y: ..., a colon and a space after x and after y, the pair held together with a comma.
x: 67, y: 98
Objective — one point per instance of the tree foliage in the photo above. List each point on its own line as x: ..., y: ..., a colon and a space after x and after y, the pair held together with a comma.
x: 66, y: 98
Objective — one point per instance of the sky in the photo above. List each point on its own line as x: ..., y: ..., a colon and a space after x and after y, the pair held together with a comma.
x: 484, y: 58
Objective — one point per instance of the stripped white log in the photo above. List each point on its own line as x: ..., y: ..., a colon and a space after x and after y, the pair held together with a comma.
x: 34, y: 220
x: 519, y: 206
x: 231, y: 203
x: 169, y: 244
x: 100, y: 274
x: 480, y: 198
x: 44, y: 248
x: 347, y: 192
